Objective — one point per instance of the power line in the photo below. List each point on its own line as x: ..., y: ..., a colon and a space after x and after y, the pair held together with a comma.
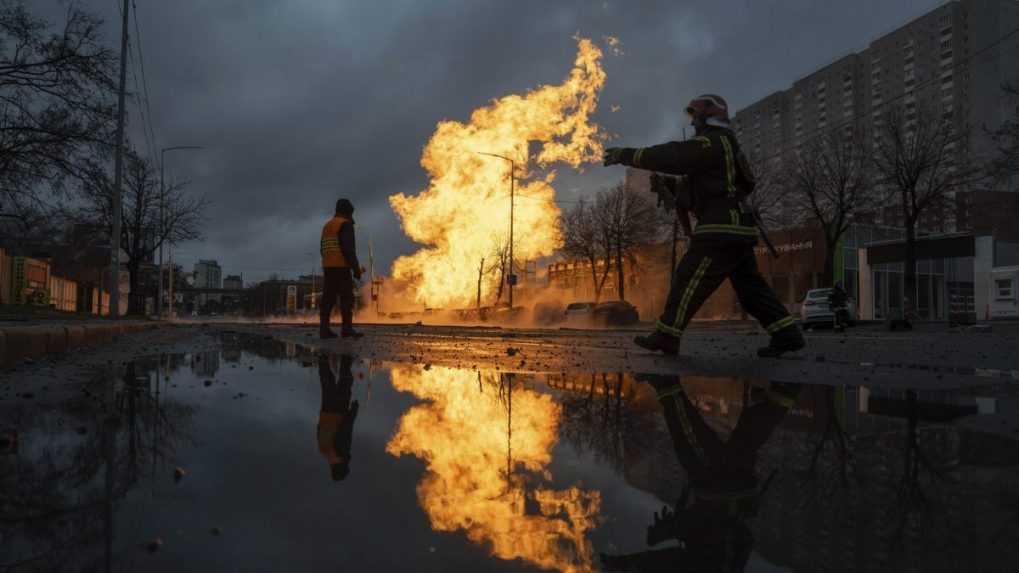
x: 141, y: 64
x: 141, y: 93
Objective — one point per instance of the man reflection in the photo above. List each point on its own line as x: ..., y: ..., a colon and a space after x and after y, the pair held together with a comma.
x: 722, y: 490
x: 337, y: 413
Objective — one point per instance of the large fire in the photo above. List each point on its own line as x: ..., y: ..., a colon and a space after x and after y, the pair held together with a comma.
x: 464, y: 214
x: 486, y: 447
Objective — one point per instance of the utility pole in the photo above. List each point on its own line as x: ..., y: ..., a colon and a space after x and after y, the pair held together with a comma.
x: 512, y: 274
x: 162, y: 220
x: 170, y: 313
x: 118, y: 167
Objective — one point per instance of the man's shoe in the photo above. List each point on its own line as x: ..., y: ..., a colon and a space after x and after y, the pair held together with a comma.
x: 789, y: 339
x: 350, y: 334
x: 658, y: 342
x: 326, y: 333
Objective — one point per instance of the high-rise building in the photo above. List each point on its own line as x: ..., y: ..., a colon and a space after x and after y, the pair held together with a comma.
x: 208, y: 275
x: 951, y: 61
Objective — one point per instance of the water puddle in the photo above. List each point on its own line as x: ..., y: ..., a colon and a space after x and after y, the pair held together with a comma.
x: 266, y: 456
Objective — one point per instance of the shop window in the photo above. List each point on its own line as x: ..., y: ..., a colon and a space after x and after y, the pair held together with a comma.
x: 1004, y: 289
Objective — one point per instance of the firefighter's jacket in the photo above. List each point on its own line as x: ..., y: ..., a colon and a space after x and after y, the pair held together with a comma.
x: 717, y: 176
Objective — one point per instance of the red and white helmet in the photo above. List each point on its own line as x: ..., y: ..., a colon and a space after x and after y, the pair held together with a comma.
x: 709, y: 108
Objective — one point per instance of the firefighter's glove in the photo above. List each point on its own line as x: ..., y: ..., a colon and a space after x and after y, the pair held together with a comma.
x: 613, y: 156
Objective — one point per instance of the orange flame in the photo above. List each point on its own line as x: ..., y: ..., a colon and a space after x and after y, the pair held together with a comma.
x: 463, y: 215
x: 467, y: 437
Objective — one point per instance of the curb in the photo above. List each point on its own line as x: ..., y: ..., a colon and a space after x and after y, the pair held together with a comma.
x: 19, y: 343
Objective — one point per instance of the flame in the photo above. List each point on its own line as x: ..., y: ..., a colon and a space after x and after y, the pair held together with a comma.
x: 462, y: 434
x: 464, y: 214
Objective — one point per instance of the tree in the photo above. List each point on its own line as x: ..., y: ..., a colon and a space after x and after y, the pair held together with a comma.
x: 585, y: 240
x: 142, y: 229
x: 628, y: 219
x: 1004, y: 165
x: 55, y: 101
x: 771, y: 200
x: 829, y: 183
x: 500, y: 253
x: 918, y: 159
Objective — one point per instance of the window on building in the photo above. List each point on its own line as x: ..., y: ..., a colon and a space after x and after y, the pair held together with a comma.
x: 1004, y: 289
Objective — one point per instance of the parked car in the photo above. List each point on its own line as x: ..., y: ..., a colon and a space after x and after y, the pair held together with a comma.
x: 579, y: 311
x: 815, y: 311
x: 547, y: 313
x: 615, y: 313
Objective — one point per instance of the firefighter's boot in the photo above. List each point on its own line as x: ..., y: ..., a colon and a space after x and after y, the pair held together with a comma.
x: 659, y: 342
x: 789, y: 339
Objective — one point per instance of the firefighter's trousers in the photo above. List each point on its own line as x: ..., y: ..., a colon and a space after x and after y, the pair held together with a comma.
x: 701, y: 271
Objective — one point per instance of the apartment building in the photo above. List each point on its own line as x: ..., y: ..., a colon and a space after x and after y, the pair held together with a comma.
x: 950, y: 62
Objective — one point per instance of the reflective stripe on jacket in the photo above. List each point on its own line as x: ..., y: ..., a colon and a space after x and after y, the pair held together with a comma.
x: 718, y: 178
x: 332, y: 255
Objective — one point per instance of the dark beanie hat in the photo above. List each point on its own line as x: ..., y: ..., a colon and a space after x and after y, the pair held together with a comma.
x: 344, y: 207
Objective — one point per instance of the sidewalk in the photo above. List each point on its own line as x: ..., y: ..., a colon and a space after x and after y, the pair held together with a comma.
x: 33, y: 336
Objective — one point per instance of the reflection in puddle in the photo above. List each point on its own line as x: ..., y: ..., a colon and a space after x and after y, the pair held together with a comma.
x: 567, y: 472
x: 57, y: 497
x: 487, y: 440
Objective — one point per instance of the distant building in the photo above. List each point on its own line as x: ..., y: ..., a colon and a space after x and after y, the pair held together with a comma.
x: 233, y: 282
x: 949, y: 60
x: 208, y: 275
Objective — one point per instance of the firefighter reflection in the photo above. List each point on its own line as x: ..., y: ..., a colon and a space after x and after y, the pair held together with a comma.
x: 722, y: 491
x: 337, y: 413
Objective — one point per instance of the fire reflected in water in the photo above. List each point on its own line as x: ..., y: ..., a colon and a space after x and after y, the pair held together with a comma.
x: 486, y: 440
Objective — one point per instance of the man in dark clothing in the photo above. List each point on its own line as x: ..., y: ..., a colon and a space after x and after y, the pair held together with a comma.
x: 838, y: 302
x: 340, y: 268
x: 722, y: 491
x: 717, y: 180
x: 336, y: 414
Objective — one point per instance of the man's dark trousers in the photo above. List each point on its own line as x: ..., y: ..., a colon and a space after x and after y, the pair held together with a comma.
x: 338, y: 282
x: 701, y: 271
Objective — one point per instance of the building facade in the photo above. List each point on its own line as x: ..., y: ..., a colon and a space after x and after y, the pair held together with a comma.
x: 950, y: 62
x: 208, y: 275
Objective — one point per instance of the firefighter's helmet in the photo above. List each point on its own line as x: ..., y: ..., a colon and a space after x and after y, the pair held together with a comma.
x: 709, y: 109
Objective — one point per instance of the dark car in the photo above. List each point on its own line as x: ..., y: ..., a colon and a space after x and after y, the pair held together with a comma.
x: 615, y: 313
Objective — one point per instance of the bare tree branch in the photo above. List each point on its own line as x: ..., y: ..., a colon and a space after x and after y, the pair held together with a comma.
x: 829, y: 183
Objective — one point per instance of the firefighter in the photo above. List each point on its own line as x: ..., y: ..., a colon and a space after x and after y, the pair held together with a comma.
x: 336, y: 415
x: 723, y: 490
x: 717, y: 181
x: 838, y: 304
x: 340, y: 268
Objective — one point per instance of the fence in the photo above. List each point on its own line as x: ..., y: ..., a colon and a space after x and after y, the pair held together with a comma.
x: 24, y: 280
x: 63, y: 294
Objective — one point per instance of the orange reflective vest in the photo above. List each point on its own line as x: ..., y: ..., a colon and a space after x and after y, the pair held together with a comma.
x: 332, y: 255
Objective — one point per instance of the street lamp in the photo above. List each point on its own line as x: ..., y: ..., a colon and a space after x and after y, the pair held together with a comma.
x: 512, y: 275
x: 162, y: 222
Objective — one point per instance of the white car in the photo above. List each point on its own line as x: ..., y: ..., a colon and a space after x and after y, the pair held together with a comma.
x: 815, y: 311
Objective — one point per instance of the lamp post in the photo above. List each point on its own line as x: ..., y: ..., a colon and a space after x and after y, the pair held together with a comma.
x: 162, y: 222
x: 512, y: 275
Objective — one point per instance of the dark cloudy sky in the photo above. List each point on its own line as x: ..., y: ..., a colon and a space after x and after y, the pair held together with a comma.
x: 299, y: 102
